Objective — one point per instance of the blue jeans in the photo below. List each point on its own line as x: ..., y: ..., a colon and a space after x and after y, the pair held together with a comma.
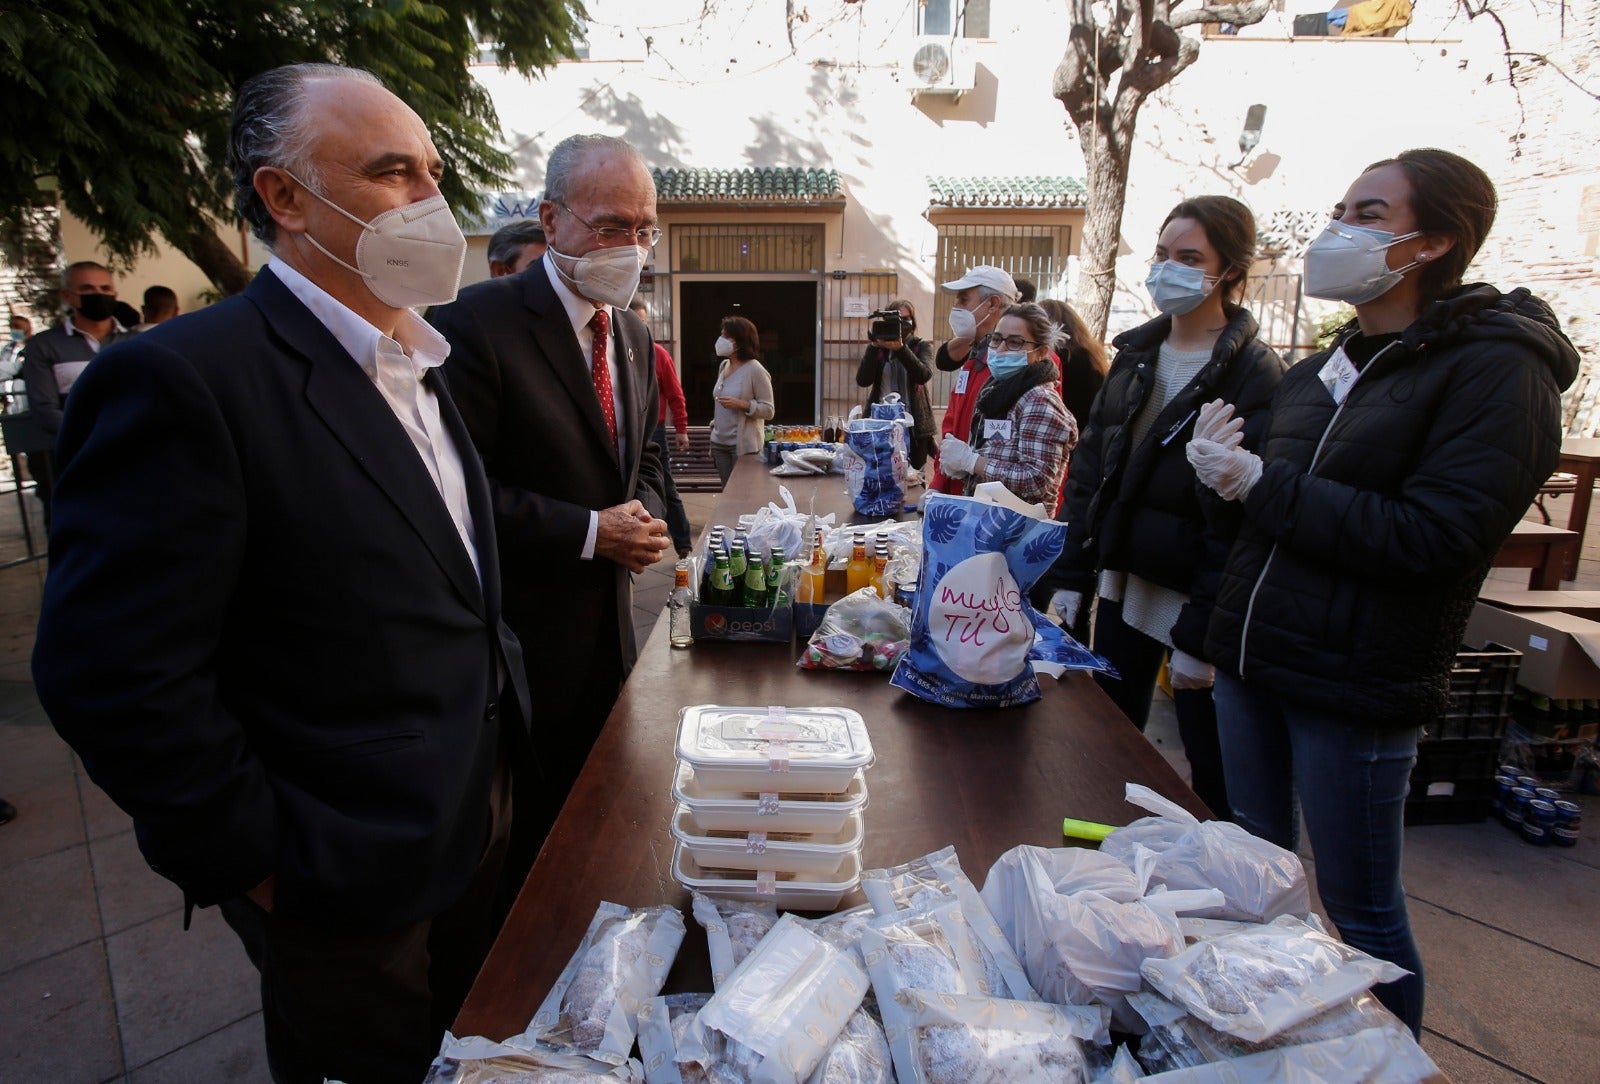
x: 677, y: 517
x: 1351, y: 782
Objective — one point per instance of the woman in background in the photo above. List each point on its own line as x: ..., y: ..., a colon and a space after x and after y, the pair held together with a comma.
x: 1021, y: 431
x: 743, y: 394
x: 1083, y: 359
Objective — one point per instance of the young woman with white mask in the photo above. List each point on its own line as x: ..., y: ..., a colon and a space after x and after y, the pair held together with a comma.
x: 1393, y: 467
x: 743, y: 394
x: 1136, y: 527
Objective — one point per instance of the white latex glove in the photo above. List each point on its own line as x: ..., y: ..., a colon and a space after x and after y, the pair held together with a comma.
x: 1066, y: 605
x: 956, y: 457
x: 1216, y: 422
x: 1188, y: 672
x: 1232, y: 472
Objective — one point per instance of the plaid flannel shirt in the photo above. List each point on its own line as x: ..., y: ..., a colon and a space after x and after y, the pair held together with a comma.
x: 1033, y: 460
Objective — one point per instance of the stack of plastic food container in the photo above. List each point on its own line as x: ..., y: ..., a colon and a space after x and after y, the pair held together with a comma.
x: 770, y: 803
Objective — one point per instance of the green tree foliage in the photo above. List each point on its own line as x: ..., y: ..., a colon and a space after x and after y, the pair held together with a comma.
x: 123, y: 108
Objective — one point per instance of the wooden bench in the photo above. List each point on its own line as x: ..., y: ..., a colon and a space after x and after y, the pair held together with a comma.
x: 694, y: 471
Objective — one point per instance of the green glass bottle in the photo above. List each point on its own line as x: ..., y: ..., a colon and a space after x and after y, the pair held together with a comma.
x: 776, y: 595
x: 755, y: 584
x: 721, y: 582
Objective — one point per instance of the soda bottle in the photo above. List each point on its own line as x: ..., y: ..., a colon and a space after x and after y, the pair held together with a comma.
x: 738, y: 562
x: 679, y: 626
x: 859, y: 572
x: 812, y: 580
x: 755, y: 584
x: 776, y: 595
x: 721, y: 582
x: 880, y: 568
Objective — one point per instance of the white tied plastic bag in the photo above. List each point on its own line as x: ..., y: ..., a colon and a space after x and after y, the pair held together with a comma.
x: 1176, y: 850
x: 781, y: 525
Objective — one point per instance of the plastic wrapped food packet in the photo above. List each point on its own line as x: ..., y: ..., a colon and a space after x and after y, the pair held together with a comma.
x: 860, y: 1055
x: 1361, y: 1013
x: 733, y: 928
x: 1258, y: 983
x: 476, y: 1060
x: 663, y: 1022
x: 1124, y: 1069
x: 980, y: 1040
x: 842, y: 930
x: 926, y: 950
x: 862, y: 631
x: 1258, y: 880
x: 1376, y: 1054
x: 621, y: 963
x: 787, y: 1002
x: 921, y: 883
x: 1169, y: 1043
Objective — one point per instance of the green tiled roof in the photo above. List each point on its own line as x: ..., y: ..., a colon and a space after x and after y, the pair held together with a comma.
x: 1006, y: 192
x: 780, y: 184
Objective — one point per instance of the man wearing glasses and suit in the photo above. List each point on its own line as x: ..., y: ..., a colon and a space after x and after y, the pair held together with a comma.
x: 555, y: 380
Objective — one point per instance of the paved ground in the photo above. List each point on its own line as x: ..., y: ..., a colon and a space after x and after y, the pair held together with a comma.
x: 99, y: 982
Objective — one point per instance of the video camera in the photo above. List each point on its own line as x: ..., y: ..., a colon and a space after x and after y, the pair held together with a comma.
x: 888, y: 324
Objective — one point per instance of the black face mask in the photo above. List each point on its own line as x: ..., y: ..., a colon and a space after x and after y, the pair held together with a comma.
x: 95, y: 307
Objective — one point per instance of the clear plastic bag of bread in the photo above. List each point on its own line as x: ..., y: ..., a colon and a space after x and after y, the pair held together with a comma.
x: 476, y: 1060
x: 981, y: 1040
x: 620, y: 964
x: 861, y: 631
x: 1257, y: 983
x: 733, y: 928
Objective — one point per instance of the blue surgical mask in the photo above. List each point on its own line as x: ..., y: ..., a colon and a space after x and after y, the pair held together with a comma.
x: 18, y: 335
x: 1176, y: 288
x: 1008, y: 364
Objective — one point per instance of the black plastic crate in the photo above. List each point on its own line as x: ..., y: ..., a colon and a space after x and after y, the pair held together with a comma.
x: 1482, y: 684
x: 1453, y: 781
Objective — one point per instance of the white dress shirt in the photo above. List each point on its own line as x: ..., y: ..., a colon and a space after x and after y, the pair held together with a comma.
x: 580, y: 311
x: 396, y: 367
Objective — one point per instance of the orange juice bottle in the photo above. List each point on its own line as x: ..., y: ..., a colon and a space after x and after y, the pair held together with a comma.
x: 813, y: 577
x: 859, y: 572
x: 880, y: 569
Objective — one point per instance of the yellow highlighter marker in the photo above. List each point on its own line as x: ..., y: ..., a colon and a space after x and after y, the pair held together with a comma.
x: 1075, y: 829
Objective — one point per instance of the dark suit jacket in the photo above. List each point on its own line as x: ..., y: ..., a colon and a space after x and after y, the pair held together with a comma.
x: 526, y: 395
x: 261, y: 630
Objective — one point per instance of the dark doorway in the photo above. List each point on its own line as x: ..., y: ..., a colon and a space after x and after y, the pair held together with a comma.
x: 785, y: 313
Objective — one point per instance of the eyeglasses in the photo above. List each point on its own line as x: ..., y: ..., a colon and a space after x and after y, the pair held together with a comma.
x: 1011, y: 342
x: 645, y: 237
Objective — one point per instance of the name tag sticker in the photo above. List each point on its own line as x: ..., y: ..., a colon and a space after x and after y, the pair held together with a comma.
x: 997, y: 429
x: 961, y: 381
x: 1338, y: 375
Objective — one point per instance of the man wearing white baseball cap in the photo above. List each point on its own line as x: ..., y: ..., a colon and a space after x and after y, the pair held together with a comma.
x: 982, y: 294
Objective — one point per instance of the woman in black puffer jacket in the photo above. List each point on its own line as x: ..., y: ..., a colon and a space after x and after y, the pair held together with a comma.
x: 1134, y: 521
x: 1394, y: 466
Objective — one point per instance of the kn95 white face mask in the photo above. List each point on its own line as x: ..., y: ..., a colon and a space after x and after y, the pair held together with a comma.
x: 410, y: 256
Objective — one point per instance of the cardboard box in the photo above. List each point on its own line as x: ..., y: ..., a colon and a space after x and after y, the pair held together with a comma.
x: 770, y: 624
x: 1560, y: 651
x: 1511, y: 597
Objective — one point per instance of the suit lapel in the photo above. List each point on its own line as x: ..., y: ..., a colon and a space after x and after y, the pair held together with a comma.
x: 479, y: 502
x: 359, y: 418
x: 552, y: 330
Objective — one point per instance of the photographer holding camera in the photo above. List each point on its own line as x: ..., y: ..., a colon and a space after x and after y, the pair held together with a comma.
x: 896, y: 361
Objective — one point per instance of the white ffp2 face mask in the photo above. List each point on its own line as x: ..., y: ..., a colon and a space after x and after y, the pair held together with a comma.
x: 608, y: 275
x: 963, y: 325
x: 1351, y: 263
x: 410, y: 256
x: 724, y: 347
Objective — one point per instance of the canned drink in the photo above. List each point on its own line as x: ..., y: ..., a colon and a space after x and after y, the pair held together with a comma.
x: 1510, y: 769
x: 1547, y: 794
x: 1535, y: 834
x: 1518, y: 813
x: 1529, y: 781
x: 1503, y: 785
x: 1569, y: 818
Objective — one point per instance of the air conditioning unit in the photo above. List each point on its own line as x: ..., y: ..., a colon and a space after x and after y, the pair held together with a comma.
x: 941, y: 65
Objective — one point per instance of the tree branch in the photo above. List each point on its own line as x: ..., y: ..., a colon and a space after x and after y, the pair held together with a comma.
x: 1238, y: 14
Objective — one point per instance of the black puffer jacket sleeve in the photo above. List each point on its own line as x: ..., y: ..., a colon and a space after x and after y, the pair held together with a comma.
x: 1078, y: 564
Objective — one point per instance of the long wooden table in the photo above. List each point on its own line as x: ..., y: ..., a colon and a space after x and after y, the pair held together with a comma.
x: 982, y: 780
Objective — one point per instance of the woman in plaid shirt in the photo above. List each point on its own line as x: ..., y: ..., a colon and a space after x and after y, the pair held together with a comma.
x: 1021, y: 432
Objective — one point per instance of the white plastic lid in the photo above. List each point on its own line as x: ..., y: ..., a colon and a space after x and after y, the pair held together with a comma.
x: 806, y: 739
x: 687, y: 789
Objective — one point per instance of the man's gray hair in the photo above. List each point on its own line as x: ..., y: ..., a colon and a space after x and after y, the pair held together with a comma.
x: 81, y: 265
x: 506, y: 244
x: 570, y: 152
x: 271, y: 128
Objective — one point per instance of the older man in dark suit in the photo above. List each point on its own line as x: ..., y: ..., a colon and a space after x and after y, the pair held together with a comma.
x: 556, y: 381
x: 272, y: 622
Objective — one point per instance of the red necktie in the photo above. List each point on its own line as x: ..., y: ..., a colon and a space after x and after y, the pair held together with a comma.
x: 601, y: 325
